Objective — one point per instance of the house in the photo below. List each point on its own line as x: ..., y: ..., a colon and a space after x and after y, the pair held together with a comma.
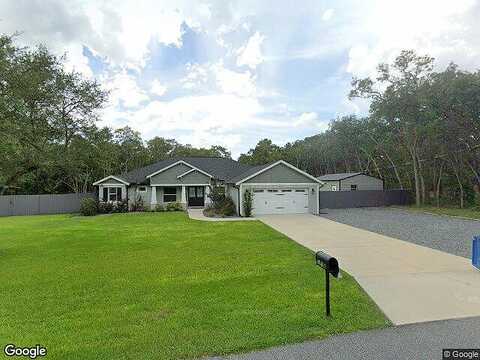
x: 350, y: 182
x: 277, y: 188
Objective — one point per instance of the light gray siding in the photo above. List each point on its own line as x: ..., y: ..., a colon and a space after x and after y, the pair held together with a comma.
x: 134, y: 194
x: 169, y: 176
x: 195, y: 177
x: 328, y: 185
x: 363, y: 182
x: 233, y: 193
x: 280, y: 174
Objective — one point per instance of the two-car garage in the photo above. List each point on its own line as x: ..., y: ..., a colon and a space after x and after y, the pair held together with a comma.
x: 278, y: 188
x: 280, y: 201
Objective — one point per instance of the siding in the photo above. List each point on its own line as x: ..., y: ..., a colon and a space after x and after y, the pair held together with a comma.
x: 328, y: 185
x: 233, y: 193
x: 363, y: 182
x: 195, y: 177
x: 280, y: 174
x: 169, y: 176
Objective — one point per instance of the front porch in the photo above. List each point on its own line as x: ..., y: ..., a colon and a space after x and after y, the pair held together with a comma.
x: 195, y: 195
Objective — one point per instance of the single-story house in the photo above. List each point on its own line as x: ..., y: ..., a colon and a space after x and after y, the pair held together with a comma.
x: 277, y: 188
x: 350, y: 182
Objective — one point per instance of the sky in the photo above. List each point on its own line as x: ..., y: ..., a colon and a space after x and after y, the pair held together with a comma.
x: 231, y: 73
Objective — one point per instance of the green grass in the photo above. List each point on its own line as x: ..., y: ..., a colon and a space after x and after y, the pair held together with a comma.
x: 162, y: 286
x: 470, y: 213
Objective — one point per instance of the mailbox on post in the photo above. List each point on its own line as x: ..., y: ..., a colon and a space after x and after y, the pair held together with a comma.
x: 330, y: 264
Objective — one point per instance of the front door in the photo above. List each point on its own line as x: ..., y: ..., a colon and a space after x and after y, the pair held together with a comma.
x: 196, y: 196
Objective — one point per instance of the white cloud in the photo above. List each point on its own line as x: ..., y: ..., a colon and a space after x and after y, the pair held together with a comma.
x: 124, y: 90
x: 311, y: 120
x: 157, y: 88
x: 327, y: 15
x: 197, y: 76
x: 251, y: 53
x: 233, y: 82
x: 437, y: 28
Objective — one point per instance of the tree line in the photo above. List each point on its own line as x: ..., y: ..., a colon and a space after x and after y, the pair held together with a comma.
x: 422, y: 133
x: 49, y: 140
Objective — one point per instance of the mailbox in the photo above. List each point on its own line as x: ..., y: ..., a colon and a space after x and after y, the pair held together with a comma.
x: 330, y: 264
x: 327, y: 262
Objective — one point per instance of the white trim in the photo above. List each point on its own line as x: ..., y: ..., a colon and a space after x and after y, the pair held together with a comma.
x: 176, y: 163
x: 179, y: 185
x: 318, y: 199
x: 110, y: 177
x: 192, y: 170
x: 278, y: 163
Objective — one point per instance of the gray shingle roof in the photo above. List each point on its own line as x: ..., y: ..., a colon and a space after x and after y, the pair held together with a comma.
x: 338, y: 176
x: 219, y: 168
x: 250, y: 171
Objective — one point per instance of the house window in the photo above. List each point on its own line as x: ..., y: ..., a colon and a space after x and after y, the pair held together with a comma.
x: 112, y: 194
x: 353, y: 187
x: 169, y: 194
x: 142, y: 189
x: 334, y: 187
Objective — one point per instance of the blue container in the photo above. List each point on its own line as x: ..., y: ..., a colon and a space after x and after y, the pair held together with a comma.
x: 476, y: 252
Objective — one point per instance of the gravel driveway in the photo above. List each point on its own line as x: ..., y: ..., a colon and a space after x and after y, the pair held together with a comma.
x: 445, y: 233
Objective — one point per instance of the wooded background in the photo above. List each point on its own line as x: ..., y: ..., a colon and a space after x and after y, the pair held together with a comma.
x: 422, y: 131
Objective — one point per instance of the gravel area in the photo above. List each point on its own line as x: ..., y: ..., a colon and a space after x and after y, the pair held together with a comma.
x: 417, y: 341
x: 445, y: 233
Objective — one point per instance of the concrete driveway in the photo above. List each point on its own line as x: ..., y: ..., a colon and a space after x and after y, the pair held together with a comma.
x: 409, y: 282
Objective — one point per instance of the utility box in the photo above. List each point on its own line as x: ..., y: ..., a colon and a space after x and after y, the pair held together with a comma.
x: 476, y: 252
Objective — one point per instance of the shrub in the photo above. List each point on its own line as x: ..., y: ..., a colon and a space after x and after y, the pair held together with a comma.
x: 138, y: 204
x: 105, y: 207
x: 88, y: 207
x: 120, y: 207
x: 159, y: 208
x: 174, y: 206
x: 223, y: 208
x: 228, y: 207
x: 247, y: 203
x: 217, y: 196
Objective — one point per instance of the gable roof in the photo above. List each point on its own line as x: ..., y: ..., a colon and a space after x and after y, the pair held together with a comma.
x: 192, y: 168
x: 339, y: 176
x: 118, y: 178
x: 219, y: 168
x: 262, y: 168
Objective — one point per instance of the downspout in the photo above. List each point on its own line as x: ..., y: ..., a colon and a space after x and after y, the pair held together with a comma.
x: 238, y: 196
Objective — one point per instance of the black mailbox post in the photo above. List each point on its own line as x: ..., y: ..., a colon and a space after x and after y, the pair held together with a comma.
x: 330, y: 264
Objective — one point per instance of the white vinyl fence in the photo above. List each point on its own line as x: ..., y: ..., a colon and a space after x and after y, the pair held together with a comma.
x: 11, y: 205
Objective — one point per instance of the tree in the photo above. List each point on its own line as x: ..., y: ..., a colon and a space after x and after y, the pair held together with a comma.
x: 264, y: 152
x: 402, y: 104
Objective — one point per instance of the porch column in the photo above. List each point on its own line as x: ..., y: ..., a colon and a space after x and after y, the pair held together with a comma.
x: 207, y: 193
x: 184, y: 197
x: 153, y: 201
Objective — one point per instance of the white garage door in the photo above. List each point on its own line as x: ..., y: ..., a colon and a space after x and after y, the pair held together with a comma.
x: 280, y: 201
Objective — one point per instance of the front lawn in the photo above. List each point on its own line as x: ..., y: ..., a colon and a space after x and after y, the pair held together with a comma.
x: 162, y: 286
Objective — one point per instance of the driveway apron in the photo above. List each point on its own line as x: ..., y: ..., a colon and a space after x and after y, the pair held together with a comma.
x: 409, y: 282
